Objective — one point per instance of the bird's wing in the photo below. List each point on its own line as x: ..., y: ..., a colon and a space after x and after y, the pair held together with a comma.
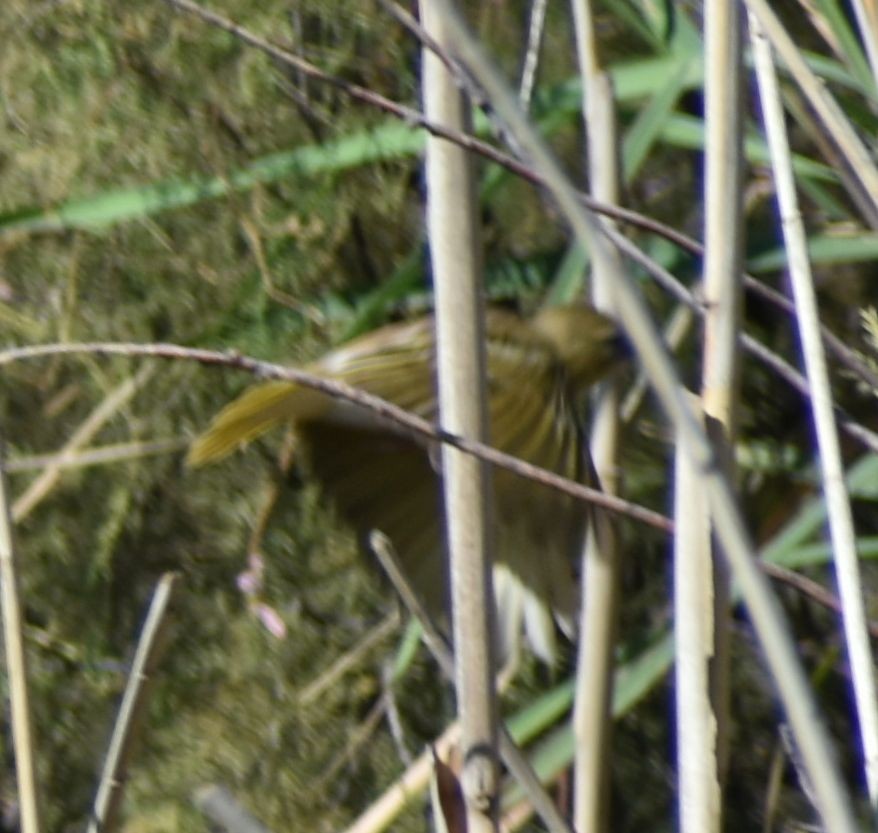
x: 539, y: 529
x: 394, y: 363
x: 385, y: 481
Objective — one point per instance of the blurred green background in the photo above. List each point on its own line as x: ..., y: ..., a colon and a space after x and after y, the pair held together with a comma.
x: 162, y: 181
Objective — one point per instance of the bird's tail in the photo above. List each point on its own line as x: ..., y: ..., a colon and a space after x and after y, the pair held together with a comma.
x: 252, y: 414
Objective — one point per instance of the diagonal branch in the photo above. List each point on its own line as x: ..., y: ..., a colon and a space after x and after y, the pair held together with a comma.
x: 339, y: 390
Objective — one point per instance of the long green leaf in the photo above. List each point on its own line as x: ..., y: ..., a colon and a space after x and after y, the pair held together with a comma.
x: 822, y: 249
x: 390, y: 141
x: 811, y: 518
x: 634, y: 680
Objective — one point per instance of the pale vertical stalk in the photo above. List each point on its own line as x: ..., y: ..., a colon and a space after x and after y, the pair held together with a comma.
x: 699, y: 788
x: 825, y: 106
x: 515, y: 761
x: 592, y: 714
x: 841, y: 526
x: 452, y: 222
x: 723, y: 246
x: 723, y: 233
x: 867, y: 19
x: 535, y: 30
x: 131, y: 712
x: 675, y: 331
x: 833, y: 802
x: 16, y: 668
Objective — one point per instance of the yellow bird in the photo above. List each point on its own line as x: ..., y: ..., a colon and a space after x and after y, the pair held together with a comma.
x: 381, y: 477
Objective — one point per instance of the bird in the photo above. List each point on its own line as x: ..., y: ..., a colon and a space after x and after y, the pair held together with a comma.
x: 381, y: 476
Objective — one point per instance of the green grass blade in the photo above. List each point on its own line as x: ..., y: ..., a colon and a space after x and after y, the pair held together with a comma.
x: 391, y: 141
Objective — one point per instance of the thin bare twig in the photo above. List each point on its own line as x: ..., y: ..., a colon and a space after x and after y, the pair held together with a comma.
x: 331, y: 676
x: 511, y: 755
x: 16, y: 668
x: 833, y: 798
x: 845, y: 354
x: 96, y: 455
x: 772, y: 360
x: 268, y: 370
x: 83, y: 434
x: 149, y: 650
x: 811, y: 589
x: 339, y: 390
x: 416, y: 118
x: 488, y: 151
x: 797, y: 381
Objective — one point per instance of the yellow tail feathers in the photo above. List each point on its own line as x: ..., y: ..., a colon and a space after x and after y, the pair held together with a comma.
x: 252, y: 414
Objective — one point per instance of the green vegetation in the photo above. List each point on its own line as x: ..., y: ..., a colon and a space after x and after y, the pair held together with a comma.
x: 160, y: 180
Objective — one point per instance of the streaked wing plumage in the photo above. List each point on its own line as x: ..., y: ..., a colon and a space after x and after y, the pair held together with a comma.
x: 382, y: 477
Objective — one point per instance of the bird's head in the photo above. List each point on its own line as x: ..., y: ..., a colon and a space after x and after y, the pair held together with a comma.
x: 588, y: 342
